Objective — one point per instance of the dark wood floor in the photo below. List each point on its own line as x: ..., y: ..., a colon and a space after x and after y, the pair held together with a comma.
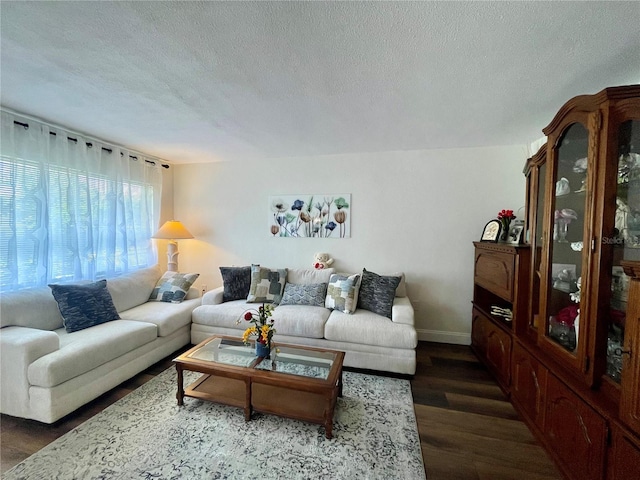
x: 468, y: 430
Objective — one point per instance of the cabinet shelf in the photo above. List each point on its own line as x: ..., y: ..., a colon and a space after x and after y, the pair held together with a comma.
x: 572, y: 195
x: 498, y: 319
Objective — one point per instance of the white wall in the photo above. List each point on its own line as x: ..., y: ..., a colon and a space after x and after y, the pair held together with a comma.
x: 416, y: 212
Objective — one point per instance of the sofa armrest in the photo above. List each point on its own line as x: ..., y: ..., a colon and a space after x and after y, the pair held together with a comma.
x: 19, y: 347
x: 402, y: 311
x: 213, y: 297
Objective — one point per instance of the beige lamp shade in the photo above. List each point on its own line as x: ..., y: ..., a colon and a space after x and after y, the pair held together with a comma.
x: 171, y: 231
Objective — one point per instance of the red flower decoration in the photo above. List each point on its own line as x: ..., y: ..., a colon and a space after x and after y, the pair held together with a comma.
x: 506, y: 214
x: 248, y: 316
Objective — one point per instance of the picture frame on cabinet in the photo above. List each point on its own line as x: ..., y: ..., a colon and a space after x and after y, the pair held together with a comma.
x: 514, y: 237
x: 491, y: 231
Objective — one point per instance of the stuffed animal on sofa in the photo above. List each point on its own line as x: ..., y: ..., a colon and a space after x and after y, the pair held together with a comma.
x: 322, y: 260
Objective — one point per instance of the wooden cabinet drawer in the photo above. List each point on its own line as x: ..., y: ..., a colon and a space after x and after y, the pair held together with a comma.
x: 494, y: 271
x: 576, y: 434
x: 528, y: 385
x: 478, y: 333
x: 493, y: 345
x: 624, y: 456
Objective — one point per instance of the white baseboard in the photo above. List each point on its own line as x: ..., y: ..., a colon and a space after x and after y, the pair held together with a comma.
x: 438, y: 336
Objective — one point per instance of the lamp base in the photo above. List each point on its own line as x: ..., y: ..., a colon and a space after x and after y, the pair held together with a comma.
x: 172, y: 256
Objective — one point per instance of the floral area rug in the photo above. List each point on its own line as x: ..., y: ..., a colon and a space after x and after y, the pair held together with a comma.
x: 145, y: 435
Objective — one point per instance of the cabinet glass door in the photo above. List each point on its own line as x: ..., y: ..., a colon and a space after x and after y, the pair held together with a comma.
x: 564, y: 269
x: 626, y: 240
x: 536, y: 171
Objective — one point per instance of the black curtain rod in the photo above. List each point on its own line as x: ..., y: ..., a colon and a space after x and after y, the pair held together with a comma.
x: 90, y: 145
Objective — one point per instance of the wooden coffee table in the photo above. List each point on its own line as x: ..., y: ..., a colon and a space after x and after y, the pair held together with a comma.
x: 296, y: 382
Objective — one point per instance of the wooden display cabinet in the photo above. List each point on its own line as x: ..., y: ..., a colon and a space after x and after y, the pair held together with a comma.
x: 575, y: 344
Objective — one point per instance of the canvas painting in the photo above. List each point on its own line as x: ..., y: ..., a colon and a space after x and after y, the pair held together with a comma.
x: 310, y: 215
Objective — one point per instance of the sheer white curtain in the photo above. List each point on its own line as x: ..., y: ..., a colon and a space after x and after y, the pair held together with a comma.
x: 72, y: 208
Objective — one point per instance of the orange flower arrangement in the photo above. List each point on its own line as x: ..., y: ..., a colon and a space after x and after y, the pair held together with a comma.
x: 262, y: 324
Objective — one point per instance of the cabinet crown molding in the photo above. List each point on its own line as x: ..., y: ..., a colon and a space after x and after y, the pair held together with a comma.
x: 588, y: 103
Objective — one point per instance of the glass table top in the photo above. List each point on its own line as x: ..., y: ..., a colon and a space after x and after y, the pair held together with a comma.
x: 284, y: 359
x: 225, y: 351
x: 298, y: 361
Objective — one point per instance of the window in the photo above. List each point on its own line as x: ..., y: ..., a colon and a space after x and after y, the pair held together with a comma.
x: 71, y: 208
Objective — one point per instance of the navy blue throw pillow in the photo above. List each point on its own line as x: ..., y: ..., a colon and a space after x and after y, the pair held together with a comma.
x: 236, y: 282
x: 83, y: 306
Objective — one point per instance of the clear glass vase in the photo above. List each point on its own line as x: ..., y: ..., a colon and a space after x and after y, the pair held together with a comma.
x: 562, y: 227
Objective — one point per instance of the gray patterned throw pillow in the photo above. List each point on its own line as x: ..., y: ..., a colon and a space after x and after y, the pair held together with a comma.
x: 83, y: 306
x: 266, y: 284
x: 173, y: 287
x: 312, y: 295
x: 377, y: 293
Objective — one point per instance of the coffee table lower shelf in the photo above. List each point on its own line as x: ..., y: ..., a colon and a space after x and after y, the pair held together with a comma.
x: 253, y: 396
x: 228, y: 391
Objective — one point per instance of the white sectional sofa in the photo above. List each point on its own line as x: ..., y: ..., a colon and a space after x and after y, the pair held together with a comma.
x: 47, y: 372
x: 370, y: 341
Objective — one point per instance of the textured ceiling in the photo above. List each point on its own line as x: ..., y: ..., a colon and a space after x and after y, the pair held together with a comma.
x: 211, y: 81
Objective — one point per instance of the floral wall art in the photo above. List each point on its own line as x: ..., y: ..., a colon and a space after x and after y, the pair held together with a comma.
x: 310, y: 215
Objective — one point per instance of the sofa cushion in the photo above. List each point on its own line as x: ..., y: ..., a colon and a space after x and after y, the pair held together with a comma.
x: 306, y: 276
x: 222, y: 315
x: 342, y: 293
x: 311, y: 295
x: 43, y: 312
x: 377, y: 293
x: 300, y: 321
x: 173, y: 287
x: 87, y: 349
x: 83, y: 306
x: 133, y: 288
x: 236, y: 282
x: 168, y: 317
x: 267, y: 285
x: 367, y: 328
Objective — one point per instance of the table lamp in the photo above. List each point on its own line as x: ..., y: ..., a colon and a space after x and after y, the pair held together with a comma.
x: 172, y: 230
